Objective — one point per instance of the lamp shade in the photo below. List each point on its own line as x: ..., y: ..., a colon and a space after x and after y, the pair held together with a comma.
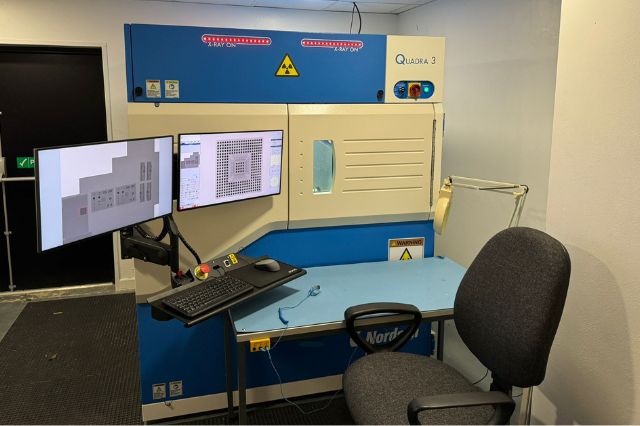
x: 442, y: 208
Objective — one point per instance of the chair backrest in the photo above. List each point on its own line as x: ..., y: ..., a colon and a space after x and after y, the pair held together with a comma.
x: 510, y: 301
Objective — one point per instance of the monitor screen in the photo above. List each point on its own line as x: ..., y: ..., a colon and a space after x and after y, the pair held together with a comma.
x: 218, y: 168
x: 92, y: 189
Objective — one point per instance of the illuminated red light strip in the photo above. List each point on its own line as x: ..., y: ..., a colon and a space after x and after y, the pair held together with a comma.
x: 253, y: 41
x: 307, y: 42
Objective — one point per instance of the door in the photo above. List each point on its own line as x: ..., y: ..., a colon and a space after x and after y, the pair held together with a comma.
x: 49, y: 96
x: 360, y: 163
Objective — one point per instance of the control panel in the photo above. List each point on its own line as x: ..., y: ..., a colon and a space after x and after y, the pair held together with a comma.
x: 414, y: 89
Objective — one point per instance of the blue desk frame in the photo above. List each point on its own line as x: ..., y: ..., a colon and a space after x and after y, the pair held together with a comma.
x: 430, y: 284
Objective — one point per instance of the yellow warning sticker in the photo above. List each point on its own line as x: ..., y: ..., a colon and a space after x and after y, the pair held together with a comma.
x: 406, y: 248
x: 233, y: 258
x: 286, y: 68
x: 406, y: 255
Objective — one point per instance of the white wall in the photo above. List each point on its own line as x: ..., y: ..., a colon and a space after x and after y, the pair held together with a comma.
x: 594, y: 370
x: 499, y: 86
x: 499, y: 94
x: 101, y: 22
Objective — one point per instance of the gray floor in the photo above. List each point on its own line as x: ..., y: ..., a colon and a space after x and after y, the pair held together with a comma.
x: 9, y: 311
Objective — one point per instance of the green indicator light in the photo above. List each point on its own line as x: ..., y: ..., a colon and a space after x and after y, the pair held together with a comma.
x: 426, y: 89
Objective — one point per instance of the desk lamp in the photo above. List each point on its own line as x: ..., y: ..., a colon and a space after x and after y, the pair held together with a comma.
x: 519, y: 192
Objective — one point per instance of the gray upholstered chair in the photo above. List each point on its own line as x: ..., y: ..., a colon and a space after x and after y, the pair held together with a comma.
x: 507, y: 311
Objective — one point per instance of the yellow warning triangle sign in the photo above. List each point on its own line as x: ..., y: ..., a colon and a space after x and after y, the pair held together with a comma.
x: 286, y: 68
x: 406, y: 255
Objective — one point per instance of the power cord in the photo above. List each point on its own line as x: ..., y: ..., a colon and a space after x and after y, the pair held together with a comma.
x: 485, y: 375
x: 481, y: 379
x: 355, y: 8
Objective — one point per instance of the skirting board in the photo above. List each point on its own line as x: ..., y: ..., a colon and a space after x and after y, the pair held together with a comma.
x: 218, y: 401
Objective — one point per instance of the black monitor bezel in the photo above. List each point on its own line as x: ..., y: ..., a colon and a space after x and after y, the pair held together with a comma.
x: 37, y: 184
x: 233, y: 201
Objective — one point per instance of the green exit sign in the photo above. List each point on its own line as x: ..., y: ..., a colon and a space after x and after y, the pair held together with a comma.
x: 26, y: 162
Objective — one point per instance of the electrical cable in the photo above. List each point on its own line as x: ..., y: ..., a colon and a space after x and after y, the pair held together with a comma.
x: 149, y: 235
x: 191, y: 249
x: 519, y: 207
x: 275, y: 370
x: 359, y: 17
x: 478, y: 381
x: 353, y: 11
x: 313, y: 291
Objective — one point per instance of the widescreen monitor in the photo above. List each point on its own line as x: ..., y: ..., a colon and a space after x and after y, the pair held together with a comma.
x: 216, y: 168
x: 87, y: 190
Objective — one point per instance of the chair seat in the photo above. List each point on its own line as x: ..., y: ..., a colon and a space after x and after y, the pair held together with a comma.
x: 379, y: 387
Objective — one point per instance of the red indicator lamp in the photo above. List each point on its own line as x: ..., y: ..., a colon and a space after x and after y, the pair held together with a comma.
x: 309, y: 42
x: 251, y: 41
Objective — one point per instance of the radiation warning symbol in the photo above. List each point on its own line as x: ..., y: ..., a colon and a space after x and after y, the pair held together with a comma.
x: 286, y: 68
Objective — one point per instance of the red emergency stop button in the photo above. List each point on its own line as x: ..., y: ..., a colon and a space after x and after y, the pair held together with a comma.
x: 415, y: 89
x: 202, y: 271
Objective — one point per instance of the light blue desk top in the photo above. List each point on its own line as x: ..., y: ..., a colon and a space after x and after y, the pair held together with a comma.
x: 430, y: 284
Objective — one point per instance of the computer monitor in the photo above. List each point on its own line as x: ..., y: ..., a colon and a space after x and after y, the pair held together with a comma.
x: 218, y: 168
x: 87, y: 190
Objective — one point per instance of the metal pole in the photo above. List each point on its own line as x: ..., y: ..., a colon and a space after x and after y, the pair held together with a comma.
x: 228, y: 366
x: 242, y: 383
x: 18, y: 179
x: 440, y: 344
x: 7, y: 232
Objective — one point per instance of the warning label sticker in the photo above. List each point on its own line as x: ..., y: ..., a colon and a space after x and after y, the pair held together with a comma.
x: 153, y: 88
x: 159, y: 391
x: 175, y: 388
x: 172, y: 89
x: 406, y: 248
x: 286, y: 68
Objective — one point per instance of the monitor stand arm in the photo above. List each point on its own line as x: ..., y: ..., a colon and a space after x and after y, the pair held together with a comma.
x: 138, y: 246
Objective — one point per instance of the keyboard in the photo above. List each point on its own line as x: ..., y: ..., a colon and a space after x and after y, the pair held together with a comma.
x: 207, y: 295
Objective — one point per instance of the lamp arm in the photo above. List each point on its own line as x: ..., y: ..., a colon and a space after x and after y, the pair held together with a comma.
x: 486, y: 185
x: 518, y: 191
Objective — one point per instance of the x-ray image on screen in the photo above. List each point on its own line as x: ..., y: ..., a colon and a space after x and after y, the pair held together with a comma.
x: 219, y: 168
x: 88, y: 190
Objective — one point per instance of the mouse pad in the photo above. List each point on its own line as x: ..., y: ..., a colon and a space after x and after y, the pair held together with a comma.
x: 259, y: 279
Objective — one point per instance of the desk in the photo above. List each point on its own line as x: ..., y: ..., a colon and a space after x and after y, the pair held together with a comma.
x: 430, y: 284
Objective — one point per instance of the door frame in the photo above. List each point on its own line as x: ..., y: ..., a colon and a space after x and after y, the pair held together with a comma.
x: 121, y: 282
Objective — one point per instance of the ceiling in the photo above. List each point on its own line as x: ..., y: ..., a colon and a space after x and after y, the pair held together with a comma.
x: 365, y: 6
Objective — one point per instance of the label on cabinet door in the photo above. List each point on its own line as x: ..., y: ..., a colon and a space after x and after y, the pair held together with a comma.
x: 159, y: 391
x: 172, y: 89
x: 153, y: 88
x: 406, y: 248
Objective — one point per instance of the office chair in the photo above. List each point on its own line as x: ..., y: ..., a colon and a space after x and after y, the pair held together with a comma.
x: 506, y: 310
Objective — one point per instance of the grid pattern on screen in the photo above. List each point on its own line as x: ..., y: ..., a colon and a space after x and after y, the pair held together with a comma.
x: 239, y: 168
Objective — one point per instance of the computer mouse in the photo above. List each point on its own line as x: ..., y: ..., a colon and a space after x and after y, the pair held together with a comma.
x: 267, y: 265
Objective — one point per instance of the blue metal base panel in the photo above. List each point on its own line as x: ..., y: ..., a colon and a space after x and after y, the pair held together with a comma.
x: 339, y: 245
x: 329, y: 68
x: 171, y: 352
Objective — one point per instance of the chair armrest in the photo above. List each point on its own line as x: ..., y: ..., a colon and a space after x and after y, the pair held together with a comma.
x: 503, y: 403
x: 355, y: 312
